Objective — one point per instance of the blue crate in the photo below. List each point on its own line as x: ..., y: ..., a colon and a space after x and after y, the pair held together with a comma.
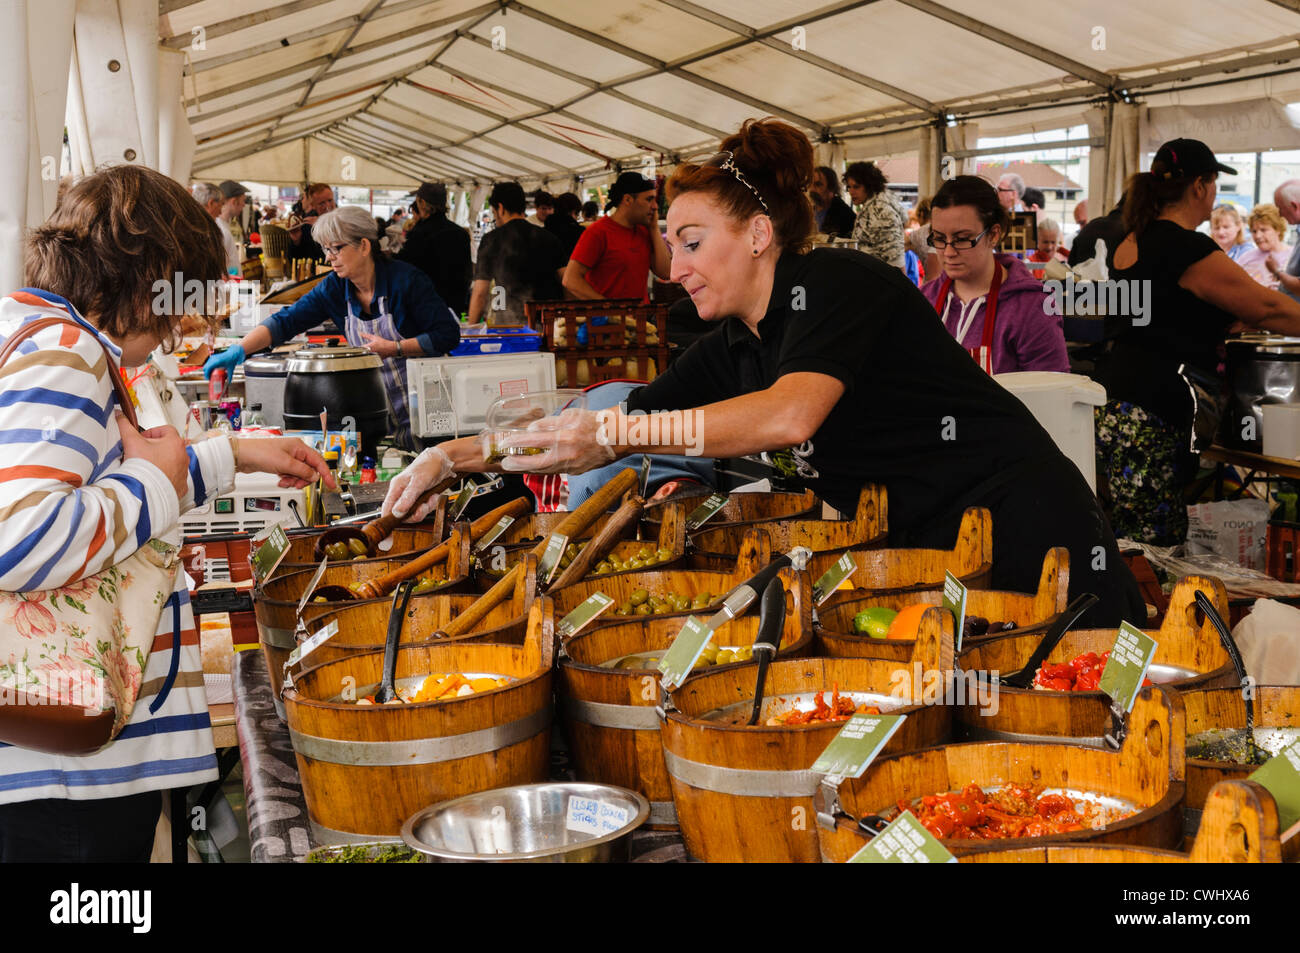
x: 498, y: 341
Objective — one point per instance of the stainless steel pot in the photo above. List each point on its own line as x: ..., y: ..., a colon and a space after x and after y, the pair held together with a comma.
x: 264, y: 378
x: 1261, y: 369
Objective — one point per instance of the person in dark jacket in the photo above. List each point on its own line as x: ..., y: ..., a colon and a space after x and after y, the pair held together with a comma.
x: 439, y: 247
x: 834, y: 216
x: 1109, y: 228
x: 563, y: 221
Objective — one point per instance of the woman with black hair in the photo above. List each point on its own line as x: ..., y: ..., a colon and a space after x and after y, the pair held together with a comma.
x: 1145, y: 452
x: 881, y: 220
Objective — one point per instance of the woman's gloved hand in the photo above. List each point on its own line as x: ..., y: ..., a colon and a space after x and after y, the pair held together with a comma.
x: 575, y: 441
x: 228, y: 359
x: 431, y: 467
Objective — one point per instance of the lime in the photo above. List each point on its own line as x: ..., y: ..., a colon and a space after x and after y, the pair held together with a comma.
x: 874, y: 621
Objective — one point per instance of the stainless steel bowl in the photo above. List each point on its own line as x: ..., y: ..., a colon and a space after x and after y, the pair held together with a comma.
x: 528, y: 823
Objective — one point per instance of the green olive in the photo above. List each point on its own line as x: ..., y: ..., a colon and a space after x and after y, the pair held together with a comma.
x: 337, y: 551
x: 639, y: 597
x: 320, y: 599
x: 357, y: 559
x: 643, y: 609
x: 709, y: 654
x: 645, y: 552
x: 664, y: 555
x: 357, y: 546
x: 425, y: 584
x: 604, y: 566
x: 726, y: 656
x: 636, y: 563
x: 745, y: 653
x: 624, y: 609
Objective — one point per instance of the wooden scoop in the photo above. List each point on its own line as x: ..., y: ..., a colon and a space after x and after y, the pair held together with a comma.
x: 570, y: 526
x: 603, y: 542
x: 374, y: 532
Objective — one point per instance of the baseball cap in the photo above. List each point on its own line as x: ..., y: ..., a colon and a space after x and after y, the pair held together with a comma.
x: 628, y: 183
x: 1185, y: 159
x: 230, y: 188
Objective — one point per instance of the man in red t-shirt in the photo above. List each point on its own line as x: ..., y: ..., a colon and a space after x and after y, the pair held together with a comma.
x: 615, y: 254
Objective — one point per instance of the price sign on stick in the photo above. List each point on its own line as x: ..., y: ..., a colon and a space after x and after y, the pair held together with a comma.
x: 269, y: 547
x: 312, y: 644
x: 834, y: 578
x: 551, y: 556
x: 491, y: 535
x: 706, y: 510
x: 681, y: 656
x: 904, y: 841
x: 311, y: 586
x: 954, y: 600
x: 857, y: 744
x: 593, y: 606
x: 1126, y: 668
x: 461, y: 502
x: 1281, y: 776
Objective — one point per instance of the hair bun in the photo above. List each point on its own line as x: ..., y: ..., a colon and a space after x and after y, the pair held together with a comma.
x: 774, y: 152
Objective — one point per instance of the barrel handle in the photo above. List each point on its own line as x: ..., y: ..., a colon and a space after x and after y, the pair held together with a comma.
x: 1180, y: 619
x: 1239, y: 824
x: 1053, y: 592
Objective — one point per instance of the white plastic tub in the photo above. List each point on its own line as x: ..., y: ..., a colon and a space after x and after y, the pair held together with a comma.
x: 1063, y: 404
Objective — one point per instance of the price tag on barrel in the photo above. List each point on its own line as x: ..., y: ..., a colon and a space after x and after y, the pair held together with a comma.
x: 551, y: 556
x: 311, y: 586
x: 494, y: 533
x: 857, y: 744
x: 834, y: 578
x: 312, y: 644
x: 904, y: 841
x: 1281, y: 776
x: 643, y: 481
x: 1127, y: 666
x: 592, y: 607
x: 459, y: 505
x: 685, y: 651
x: 954, y: 600
x: 706, y: 510
x: 269, y: 547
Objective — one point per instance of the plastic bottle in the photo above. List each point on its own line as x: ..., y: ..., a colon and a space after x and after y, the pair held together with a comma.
x: 255, y: 417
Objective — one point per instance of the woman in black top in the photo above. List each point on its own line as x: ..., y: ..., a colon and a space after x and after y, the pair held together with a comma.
x: 837, y: 356
x: 1192, y: 295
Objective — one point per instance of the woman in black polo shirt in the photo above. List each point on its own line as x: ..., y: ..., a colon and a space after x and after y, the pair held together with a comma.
x: 836, y: 355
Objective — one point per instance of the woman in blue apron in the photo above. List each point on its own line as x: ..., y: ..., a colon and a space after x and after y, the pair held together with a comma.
x: 389, y: 307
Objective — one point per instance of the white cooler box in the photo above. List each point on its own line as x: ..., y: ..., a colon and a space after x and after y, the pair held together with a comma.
x: 1063, y: 404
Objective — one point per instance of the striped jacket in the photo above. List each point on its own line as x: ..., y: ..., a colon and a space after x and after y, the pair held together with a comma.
x: 70, y: 507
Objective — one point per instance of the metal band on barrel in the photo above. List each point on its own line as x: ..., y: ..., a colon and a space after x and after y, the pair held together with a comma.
x: 605, y: 715
x: 279, y: 638
x: 977, y: 733
x: 742, y: 781
x: 662, y: 812
x: 421, y: 750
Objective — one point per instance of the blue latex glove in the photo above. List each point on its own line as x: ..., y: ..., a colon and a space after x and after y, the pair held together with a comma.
x: 228, y: 359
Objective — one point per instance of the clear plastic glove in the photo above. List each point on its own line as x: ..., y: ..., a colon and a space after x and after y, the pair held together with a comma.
x: 431, y: 467
x: 573, y: 442
x: 228, y: 359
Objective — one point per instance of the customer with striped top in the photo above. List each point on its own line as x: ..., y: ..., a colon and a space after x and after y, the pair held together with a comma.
x: 81, y: 490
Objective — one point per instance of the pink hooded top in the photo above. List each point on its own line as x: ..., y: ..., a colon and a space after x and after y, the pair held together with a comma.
x: 1025, y: 336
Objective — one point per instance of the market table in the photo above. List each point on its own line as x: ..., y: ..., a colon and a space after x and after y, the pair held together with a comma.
x: 1272, y: 467
x: 279, y: 829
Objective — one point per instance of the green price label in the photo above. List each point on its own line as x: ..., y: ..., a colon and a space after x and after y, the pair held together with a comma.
x: 311, y: 586
x: 551, y: 556
x: 312, y: 644
x: 706, y: 510
x: 1281, y: 776
x: 269, y: 547
x: 857, y: 744
x: 494, y: 533
x: 904, y: 841
x: 593, y: 606
x: 643, y: 483
x: 954, y: 600
x: 1122, y: 677
x: 461, y: 502
x: 833, y: 578
x: 681, y: 656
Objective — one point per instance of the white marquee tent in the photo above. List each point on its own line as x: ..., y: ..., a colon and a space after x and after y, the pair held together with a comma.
x: 391, y: 92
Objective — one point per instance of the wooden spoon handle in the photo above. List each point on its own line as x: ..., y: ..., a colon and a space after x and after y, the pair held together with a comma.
x: 485, y: 603
x: 377, y: 530
x: 382, y: 585
x: 603, y: 541
x: 590, y: 511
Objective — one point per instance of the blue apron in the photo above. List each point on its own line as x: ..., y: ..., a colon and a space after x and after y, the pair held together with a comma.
x: 393, y: 369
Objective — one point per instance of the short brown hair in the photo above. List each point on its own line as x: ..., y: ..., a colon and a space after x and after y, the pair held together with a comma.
x: 776, y: 159
x: 1266, y: 213
x: 113, y: 236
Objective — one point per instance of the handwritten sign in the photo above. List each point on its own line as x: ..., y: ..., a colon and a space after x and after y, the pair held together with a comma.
x: 596, y: 817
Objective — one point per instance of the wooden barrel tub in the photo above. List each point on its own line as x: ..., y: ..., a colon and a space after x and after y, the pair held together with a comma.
x: 365, y: 769
x: 741, y: 509
x: 1032, y: 612
x: 610, y: 715
x: 745, y: 794
x: 408, y: 541
x: 1029, y: 714
x: 1147, y: 772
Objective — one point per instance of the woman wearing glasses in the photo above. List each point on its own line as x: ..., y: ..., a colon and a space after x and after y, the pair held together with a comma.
x: 988, y: 301
x: 835, y: 355
x: 387, y: 306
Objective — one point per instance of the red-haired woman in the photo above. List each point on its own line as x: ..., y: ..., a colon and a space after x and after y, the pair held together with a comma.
x: 835, y: 356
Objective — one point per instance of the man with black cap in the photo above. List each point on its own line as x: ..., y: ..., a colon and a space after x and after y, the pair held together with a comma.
x: 232, y: 203
x: 614, y: 257
x: 439, y: 247
x: 523, y: 261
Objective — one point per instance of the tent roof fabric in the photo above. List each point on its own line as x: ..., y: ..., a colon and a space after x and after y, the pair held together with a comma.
x: 469, y: 91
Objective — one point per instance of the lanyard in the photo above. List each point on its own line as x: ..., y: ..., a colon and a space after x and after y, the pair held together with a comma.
x: 984, y: 353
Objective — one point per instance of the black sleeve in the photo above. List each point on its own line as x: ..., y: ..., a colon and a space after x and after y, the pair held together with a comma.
x: 704, y: 374
x: 1179, y: 251
x: 839, y: 308
x: 486, y: 263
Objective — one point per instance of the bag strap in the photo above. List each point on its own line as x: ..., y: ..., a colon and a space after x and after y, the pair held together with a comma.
x: 114, y: 374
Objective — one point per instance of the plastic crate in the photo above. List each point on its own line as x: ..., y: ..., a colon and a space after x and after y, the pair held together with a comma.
x: 1283, y: 547
x: 498, y: 341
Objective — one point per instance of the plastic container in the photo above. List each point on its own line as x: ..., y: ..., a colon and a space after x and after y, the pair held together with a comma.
x: 1281, y: 436
x: 1063, y: 404
x: 497, y: 341
x: 510, y: 416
